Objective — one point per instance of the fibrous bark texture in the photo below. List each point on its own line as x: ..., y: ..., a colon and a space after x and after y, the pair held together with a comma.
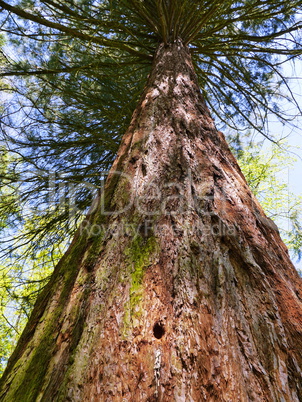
x: 176, y: 287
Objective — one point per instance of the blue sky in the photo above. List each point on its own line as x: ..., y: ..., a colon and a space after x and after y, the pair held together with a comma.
x: 293, y: 134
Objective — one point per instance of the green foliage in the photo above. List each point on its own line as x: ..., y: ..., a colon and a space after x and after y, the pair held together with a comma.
x: 21, y: 280
x: 266, y: 169
x: 294, y: 236
x: 23, y: 271
x: 9, y: 208
x: 8, y: 327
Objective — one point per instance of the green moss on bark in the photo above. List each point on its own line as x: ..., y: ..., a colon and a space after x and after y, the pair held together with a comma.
x: 139, y: 256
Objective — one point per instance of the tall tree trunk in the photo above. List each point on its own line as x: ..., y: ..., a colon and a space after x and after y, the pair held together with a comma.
x: 176, y: 287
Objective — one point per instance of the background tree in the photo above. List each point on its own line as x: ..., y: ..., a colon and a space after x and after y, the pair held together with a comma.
x: 266, y: 170
x: 244, y: 41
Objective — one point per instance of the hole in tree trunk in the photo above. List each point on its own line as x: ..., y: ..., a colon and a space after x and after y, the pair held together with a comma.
x: 144, y: 170
x: 158, y: 330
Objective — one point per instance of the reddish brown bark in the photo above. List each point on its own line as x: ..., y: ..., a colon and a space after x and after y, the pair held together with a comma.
x: 184, y: 291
